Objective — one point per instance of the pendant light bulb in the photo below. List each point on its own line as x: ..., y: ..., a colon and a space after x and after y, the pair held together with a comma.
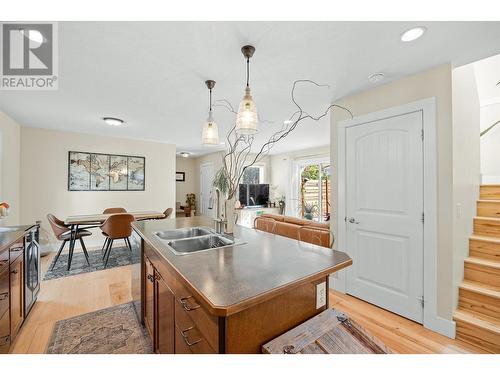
x: 247, y: 118
x: 210, y: 132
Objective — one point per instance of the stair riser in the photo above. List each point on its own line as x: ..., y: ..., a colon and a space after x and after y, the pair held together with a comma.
x: 482, y: 274
x: 479, y: 303
x: 488, y: 209
x: 490, y: 192
x: 484, y: 249
x: 478, y: 336
x: 485, y: 227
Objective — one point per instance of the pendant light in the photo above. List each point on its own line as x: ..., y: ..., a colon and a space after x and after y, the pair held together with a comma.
x: 247, y: 120
x: 210, y: 134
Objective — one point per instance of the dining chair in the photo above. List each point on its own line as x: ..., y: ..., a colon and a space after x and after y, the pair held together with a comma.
x: 63, y: 233
x: 111, y: 210
x: 266, y: 224
x: 316, y: 236
x: 167, y: 213
x: 114, y: 210
x: 116, y: 227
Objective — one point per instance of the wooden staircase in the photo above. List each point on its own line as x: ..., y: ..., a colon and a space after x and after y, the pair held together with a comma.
x: 478, y: 313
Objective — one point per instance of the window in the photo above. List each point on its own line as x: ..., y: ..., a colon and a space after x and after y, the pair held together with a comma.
x: 253, y: 175
x: 312, y: 183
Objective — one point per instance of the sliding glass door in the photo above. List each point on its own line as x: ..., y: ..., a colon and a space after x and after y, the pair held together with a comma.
x: 312, y: 189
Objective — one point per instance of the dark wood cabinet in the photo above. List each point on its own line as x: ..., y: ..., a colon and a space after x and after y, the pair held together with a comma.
x: 165, y: 307
x: 4, y: 310
x: 16, y: 296
x: 149, y: 299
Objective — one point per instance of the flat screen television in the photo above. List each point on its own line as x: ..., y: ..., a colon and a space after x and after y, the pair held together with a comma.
x: 254, y: 194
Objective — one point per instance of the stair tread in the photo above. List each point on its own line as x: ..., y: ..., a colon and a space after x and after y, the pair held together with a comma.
x: 492, y: 324
x: 489, y: 218
x: 481, y: 237
x: 483, y: 262
x: 484, y: 289
x: 482, y: 200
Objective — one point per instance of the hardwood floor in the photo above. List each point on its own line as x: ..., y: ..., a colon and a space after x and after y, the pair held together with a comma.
x: 75, y: 295
x: 67, y: 297
x: 399, y: 334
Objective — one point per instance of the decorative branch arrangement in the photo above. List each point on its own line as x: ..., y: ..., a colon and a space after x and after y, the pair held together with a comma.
x: 238, y: 156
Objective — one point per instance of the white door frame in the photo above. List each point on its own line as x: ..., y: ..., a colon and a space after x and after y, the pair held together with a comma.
x: 428, y: 108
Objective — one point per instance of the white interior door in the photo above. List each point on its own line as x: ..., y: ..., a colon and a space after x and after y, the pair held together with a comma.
x: 206, y: 182
x: 384, y: 213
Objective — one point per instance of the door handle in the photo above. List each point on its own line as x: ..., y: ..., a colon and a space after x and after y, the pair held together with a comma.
x: 352, y: 220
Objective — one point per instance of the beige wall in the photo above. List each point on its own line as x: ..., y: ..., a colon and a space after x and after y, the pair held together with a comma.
x: 436, y: 82
x: 10, y: 156
x: 44, y: 176
x: 466, y: 165
x: 188, y: 166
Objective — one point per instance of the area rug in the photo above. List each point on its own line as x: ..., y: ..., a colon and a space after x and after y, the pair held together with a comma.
x: 120, y: 256
x: 114, y: 330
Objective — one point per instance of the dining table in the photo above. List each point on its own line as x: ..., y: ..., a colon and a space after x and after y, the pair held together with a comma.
x: 95, y: 220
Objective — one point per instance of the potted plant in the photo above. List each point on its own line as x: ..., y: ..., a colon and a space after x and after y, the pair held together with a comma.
x: 190, y: 208
x: 309, y: 210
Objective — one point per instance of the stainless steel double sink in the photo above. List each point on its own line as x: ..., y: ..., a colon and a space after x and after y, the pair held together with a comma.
x: 193, y: 240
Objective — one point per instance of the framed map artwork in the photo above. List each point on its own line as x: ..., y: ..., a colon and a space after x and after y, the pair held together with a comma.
x: 105, y: 172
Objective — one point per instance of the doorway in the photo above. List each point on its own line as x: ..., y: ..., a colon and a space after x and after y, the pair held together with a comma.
x: 206, y: 183
x: 388, y: 209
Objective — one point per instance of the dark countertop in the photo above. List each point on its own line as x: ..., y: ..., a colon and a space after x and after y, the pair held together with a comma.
x: 8, y: 238
x: 234, y: 275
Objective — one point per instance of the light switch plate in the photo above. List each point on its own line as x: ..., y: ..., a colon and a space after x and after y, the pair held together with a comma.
x: 320, y: 295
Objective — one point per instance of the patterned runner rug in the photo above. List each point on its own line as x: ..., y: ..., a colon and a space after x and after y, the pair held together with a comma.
x: 114, y: 330
x: 120, y: 256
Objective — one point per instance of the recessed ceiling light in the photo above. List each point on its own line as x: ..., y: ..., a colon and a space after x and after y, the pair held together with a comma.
x: 413, y: 34
x: 184, y: 154
x: 34, y: 35
x: 376, y: 77
x: 113, y: 121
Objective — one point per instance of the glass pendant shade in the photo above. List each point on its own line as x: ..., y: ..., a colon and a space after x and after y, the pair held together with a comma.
x: 210, y: 133
x: 247, y: 120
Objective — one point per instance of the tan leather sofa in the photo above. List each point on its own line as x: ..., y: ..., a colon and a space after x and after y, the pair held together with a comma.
x: 291, y: 227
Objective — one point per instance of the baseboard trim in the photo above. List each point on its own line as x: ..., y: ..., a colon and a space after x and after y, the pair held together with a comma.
x: 442, y: 326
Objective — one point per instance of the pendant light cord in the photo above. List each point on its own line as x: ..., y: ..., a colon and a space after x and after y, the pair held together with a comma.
x: 248, y: 69
x: 210, y: 99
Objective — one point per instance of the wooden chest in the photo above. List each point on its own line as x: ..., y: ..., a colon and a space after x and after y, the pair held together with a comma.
x: 330, y: 332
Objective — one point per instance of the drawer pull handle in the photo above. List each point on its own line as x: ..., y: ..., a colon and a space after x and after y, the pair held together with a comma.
x: 186, y: 338
x: 4, y: 296
x: 150, y: 278
x: 15, y: 271
x: 185, y: 305
x: 17, y: 249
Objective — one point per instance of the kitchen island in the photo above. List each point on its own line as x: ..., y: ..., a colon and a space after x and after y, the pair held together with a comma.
x: 231, y: 299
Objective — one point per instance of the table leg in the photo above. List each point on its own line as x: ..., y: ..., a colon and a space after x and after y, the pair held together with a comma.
x: 74, y: 229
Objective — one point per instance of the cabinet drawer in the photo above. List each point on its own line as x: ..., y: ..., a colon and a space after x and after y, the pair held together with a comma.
x: 4, y: 291
x: 4, y: 344
x: 4, y: 259
x: 16, y: 250
x: 189, y: 340
x: 4, y: 332
x: 206, y: 323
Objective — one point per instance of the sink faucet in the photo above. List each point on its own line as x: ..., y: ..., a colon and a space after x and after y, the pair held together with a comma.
x: 218, y: 221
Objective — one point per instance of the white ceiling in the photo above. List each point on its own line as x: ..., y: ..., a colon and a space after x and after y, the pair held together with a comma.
x: 152, y: 74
